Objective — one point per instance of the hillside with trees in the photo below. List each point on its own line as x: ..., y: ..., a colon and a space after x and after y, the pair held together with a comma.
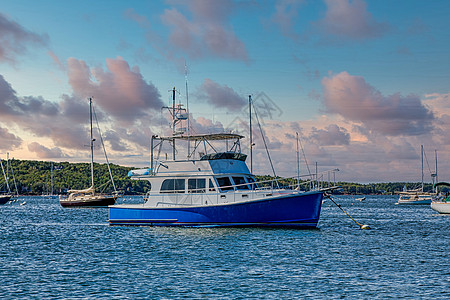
x: 35, y: 178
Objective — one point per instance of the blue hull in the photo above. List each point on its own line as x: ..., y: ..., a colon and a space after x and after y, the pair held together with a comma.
x: 299, y: 210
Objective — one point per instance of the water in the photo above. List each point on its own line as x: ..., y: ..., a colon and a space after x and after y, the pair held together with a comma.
x: 50, y: 252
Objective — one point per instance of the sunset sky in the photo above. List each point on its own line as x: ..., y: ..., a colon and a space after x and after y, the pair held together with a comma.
x: 365, y: 83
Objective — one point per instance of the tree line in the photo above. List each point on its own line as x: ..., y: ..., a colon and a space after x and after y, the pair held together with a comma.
x: 35, y: 178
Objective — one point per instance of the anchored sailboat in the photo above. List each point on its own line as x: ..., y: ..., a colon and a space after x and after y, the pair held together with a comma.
x: 88, y: 197
x: 417, y: 196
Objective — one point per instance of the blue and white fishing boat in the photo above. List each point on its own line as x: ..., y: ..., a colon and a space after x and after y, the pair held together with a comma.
x: 213, y: 188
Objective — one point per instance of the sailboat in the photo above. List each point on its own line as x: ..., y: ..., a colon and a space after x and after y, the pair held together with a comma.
x: 88, y: 197
x: 5, y: 197
x: 416, y: 196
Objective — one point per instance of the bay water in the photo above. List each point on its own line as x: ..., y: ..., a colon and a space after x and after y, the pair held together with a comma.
x: 51, y: 252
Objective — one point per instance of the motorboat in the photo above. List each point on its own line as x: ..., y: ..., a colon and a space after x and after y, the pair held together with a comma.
x: 213, y: 187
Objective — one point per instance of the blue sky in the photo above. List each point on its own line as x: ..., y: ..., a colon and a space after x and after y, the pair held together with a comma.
x: 365, y: 83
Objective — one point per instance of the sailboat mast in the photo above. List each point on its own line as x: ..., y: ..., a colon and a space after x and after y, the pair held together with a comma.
x: 51, y: 175
x: 92, y: 144
x: 6, y: 178
x: 421, y: 150
x: 435, y: 160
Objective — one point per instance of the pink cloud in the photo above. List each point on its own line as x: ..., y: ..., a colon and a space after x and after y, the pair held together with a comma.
x: 119, y: 90
x: 207, y: 33
x: 350, y: 19
x: 332, y: 135
x: 15, y: 39
x: 44, y: 152
x: 286, y: 13
x: 354, y: 99
x: 8, y: 141
x: 221, y: 96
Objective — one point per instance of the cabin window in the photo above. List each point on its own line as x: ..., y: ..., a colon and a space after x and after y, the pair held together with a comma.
x: 172, y: 186
x: 211, y: 186
x: 240, y: 183
x: 196, y: 185
x: 251, y: 182
x: 224, y: 183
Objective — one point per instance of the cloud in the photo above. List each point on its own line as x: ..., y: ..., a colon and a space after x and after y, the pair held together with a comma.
x: 8, y: 141
x: 394, y: 115
x: 56, y: 60
x: 221, y: 96
x: 119, y: 91
x: 41, y: 117
x: 351, y: 20
x: 207, y: 33
x: 44, y: 152
x: 15, y: 39
x: 286, y: 13
x: 332, y: 135
x: 203, y: 126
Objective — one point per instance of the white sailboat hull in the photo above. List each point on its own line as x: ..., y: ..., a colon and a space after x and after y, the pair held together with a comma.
x: 441, y: 207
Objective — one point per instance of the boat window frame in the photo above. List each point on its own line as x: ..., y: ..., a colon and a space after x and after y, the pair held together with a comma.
x: 212, y: 187
x: 224, y: 188
x: 241, y: 185
x: 196, y: 189
x: 176, y: 185
x: 251, y: 182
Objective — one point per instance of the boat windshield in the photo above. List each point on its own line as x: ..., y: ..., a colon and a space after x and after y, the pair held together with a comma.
x: 240, y: 183
x: 224, y: 183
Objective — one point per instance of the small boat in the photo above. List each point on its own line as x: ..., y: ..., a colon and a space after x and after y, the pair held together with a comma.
x: 442, y: 203
x: 416, y: 196
x: 216, y: 189
x: 361, y: 199
x: 88, y: 197
x: 4, y: 198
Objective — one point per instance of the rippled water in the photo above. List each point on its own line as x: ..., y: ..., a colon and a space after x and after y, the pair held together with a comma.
x: 50, y: 252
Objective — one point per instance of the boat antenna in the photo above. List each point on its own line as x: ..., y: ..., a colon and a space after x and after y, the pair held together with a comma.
x: 187, y: 107
x: 92, y: 143
x: 251, y: 135
x: 104, y: 151
x: 265, y: 145
x: 174, y: 118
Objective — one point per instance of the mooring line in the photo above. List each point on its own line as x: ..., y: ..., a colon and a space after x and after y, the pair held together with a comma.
x: 361, y: 226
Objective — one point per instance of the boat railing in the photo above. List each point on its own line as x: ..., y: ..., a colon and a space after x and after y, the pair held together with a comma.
x: 240, y: 192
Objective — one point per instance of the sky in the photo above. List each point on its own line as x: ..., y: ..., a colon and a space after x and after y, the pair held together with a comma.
x: 362, y: 83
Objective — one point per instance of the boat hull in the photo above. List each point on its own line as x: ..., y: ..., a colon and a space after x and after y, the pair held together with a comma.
x: 97, y: 201
x: 292, y: 210
x: 4, y: 199
x: 415, y: 202
x: 441, y: 207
